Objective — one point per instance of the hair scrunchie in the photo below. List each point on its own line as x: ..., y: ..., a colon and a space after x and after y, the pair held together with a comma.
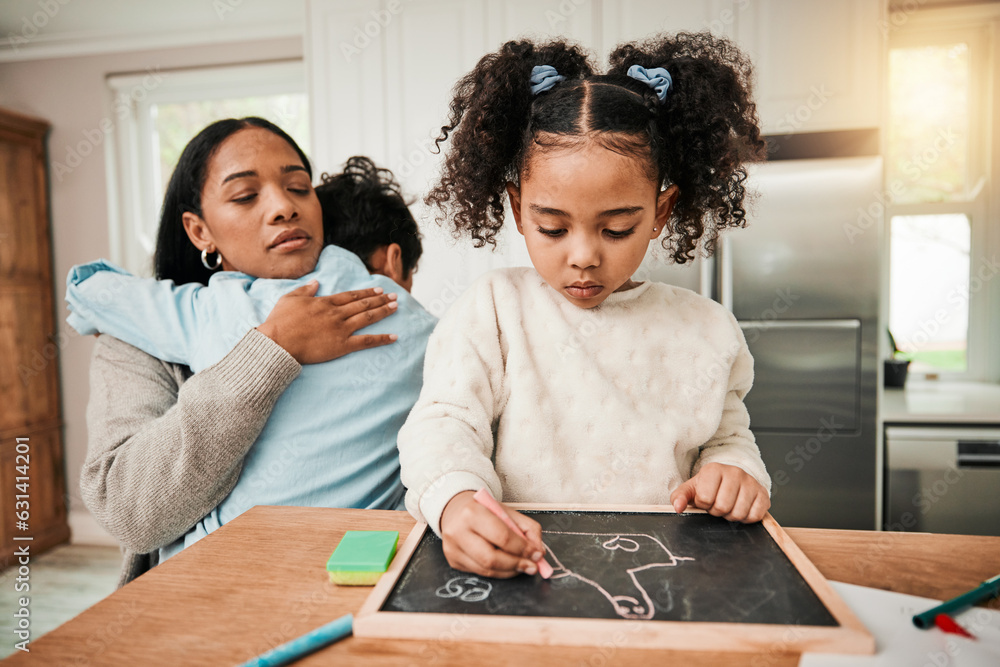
x: 543, y: 77
x: 657, y: 78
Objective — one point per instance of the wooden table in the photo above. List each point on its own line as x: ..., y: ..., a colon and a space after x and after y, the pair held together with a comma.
x: 261, y: 580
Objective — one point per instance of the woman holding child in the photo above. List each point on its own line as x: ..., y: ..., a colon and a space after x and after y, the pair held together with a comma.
x: 166, y: 447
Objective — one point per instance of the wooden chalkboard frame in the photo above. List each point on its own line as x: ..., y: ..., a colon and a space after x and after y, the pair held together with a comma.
x: 850, y: 637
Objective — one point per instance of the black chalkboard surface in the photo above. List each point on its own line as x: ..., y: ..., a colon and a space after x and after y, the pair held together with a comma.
x: 666, y: 567
x: 686, y: 581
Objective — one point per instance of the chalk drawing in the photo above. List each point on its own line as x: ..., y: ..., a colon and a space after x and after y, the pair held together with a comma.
x: 466, y: 589
x: 645, y: 551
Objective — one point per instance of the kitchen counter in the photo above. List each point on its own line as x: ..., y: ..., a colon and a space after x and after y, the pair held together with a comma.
x: 942, y: 403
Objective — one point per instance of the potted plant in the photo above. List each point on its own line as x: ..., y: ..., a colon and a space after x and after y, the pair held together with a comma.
x: 896, y: 367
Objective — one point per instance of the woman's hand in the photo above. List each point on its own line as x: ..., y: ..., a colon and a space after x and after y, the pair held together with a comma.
x: 723, y: 490
x: 316, y: 329
x: 477, y: 541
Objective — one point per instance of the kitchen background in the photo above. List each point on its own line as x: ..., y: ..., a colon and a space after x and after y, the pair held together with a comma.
x: 876, y: 210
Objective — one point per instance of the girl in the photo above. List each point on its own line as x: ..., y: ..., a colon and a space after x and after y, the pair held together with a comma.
x: 330, y: 440
x: 571, y: 382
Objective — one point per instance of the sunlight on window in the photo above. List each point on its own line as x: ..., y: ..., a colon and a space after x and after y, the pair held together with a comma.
x: 929, y: 284
x: 175, y: 124
x: 929, y: 122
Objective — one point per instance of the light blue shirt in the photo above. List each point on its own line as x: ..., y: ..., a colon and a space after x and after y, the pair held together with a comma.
x: 331, y: 439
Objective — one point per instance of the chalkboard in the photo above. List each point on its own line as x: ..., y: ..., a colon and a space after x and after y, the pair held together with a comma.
x: 657, y: 568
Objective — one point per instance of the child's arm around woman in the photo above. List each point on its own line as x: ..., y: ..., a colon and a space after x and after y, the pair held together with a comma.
x: 572, y: 382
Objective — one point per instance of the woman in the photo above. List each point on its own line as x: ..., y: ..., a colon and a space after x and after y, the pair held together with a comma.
x: 165, y: 447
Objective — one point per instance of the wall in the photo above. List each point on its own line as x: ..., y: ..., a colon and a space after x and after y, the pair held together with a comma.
x: 72, y: 95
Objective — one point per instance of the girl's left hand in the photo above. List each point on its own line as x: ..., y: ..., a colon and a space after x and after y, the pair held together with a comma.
x: 723, y: 490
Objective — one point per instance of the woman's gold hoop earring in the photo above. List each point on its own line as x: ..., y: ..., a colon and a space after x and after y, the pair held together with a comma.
x: 204, y: 260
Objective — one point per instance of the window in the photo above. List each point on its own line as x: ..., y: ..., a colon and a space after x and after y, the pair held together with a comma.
x: 174, y: 124
x: 929, y: 311
x: 937, y: 154
x: 929, y: 121
x: 159, y: 112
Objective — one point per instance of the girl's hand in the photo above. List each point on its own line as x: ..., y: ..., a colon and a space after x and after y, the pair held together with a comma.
x: 723, y: 490
x: 316, y: 329
x: 476, y: 541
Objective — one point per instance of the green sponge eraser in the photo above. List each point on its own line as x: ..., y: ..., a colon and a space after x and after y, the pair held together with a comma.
x: 362, y: 556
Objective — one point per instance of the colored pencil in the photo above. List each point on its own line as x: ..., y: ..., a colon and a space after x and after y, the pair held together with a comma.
x: 311, y: 641
x: 986, y: 590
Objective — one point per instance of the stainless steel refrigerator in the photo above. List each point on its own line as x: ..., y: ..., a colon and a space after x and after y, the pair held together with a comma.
x: 803, y: 281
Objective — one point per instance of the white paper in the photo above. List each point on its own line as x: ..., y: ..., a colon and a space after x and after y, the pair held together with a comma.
x: 899, y: 643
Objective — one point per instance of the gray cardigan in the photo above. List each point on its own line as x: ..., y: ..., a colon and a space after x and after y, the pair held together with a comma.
x: 165, y: 447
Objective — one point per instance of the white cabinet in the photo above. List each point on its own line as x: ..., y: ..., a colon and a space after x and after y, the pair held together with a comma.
x: 381, y: 70
x: 629, y: 20
x: 345, y: 63
x: 381, y: 74
x: 819, y: 64
x: 573, y: 19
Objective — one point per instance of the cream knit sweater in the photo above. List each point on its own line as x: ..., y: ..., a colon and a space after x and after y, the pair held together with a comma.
x: 546, y: 402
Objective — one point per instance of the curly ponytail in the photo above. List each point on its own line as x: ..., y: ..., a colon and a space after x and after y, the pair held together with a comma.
x: 707, y: 129
x: 487, y: 121
x: 698, y: 138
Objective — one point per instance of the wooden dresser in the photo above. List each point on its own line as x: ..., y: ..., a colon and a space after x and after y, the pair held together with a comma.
x: 32, y: 476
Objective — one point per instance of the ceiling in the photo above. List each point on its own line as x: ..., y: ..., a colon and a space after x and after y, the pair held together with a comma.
x: 31, y: 29
x: 57, y: 28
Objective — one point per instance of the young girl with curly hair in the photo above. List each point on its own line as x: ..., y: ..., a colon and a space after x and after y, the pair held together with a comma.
x: 571, y: 382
